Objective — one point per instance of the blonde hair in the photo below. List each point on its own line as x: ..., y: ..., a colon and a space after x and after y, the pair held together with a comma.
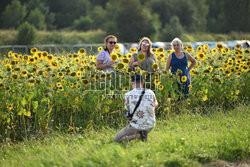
x: 149, y: 52
x: 176, y: 40
x: 107, y: 38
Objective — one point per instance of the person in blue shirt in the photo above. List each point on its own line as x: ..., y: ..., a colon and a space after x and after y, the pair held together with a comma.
x: 178, y: 61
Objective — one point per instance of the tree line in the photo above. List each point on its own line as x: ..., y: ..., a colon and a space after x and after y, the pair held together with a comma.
x: 129, y: 19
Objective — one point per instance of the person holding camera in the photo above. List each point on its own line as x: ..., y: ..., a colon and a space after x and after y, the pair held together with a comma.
x: 140, y: 105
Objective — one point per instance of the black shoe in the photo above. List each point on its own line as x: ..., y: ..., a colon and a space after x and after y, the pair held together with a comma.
x: 143, y: 135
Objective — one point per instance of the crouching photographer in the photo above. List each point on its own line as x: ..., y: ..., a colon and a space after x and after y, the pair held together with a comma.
x: 140, y: 105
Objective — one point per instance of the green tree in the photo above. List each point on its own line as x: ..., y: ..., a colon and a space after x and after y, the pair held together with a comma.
x: 184, y: 9
x: 111, y: 9
x: 26, y: 34
x: 235, y: 16
x: 68, y: 11
x: 201, y: 14
x: 172, y: 29
x: 133, y: 23
x: 214, y: 16
x: 13, y: 14
x: 98, y: 15
x: 43, y: 6
x: 37, y: 18
x: 83, y: 23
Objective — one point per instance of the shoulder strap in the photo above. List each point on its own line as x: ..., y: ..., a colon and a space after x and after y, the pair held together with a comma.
x: 138, y: 103
x: 185, y: 56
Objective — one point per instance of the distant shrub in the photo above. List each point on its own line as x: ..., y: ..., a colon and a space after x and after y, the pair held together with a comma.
x: 172, y: 29
x: 26, y: 34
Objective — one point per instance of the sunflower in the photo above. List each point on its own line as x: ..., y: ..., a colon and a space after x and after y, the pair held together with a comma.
x: 117, y: 47
x: 130, y: 69
x: 205, y: 98
x: 227, y: 49
x: 199, y: 49
x: 60, y: 74
x: 1, y: 85
x: 31, y: 60
x: 236, y: 68
x: 129, y: 55
x: 33, y: 50
x: 100, y: 48
x: 178, y: 72
x: 228, y: 72
x: 161, y: 87
x: 238, y: 46
x: 157, y: 82
x: 189, y: 86
x: 161, y: 49
x: 103, y: 75
x: 81, y: 52
x: 24, y: 73
x: 50, y: 57
x: 44, y: 54
x: 7, y: 88
x: 15, y: 76
x: 244, y: 68
x: 61, y: 88
x: 125, y: 61
x: 162, y: 55
x: 155, y: 66
x: 133, y: 50
x: 219, y: 46
x: 76, y: 99
x: 201, y: 56
x: 114, y: 57
x: 58, y: 84
x: 156, y: 75
x: 205, y: 47
x: 54, y: 64
x: 141, y: 56
x: 214, y: 51
x: 210, y: 68
x: 9, y: 106
x: 85, y: 82
x: 170, y: 51
x: 77, y: 60
x: 238, y: 74
x: 183, y: 78
x: 9, y: 53
x: 120, y: 66
x: 78, y: 73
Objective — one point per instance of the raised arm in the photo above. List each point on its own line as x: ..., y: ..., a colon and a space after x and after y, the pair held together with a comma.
x: 192, y: 60
x: 101, y: 66
x: 133, y: 63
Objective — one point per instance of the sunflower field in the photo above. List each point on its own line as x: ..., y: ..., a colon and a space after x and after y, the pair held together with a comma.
x: 41, y: 91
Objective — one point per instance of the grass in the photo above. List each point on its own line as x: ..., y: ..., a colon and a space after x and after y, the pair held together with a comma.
x: 183, y: 140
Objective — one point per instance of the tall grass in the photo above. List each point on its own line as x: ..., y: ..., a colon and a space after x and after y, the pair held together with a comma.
x: 182, y: 140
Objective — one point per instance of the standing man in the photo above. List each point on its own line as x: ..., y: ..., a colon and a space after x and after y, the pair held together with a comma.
x: 143, y: 119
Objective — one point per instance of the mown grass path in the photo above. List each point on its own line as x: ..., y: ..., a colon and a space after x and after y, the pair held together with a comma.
x: 183, y: 140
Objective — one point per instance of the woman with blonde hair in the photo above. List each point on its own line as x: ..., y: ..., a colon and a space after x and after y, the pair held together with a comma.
x: 145, y: 47
x: 178, y: 60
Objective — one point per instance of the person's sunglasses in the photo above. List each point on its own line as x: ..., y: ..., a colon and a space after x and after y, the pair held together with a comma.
x: 145, y: 44
x: 111, y: 42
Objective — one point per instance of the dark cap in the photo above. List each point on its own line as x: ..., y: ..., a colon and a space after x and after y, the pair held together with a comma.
x: 137, y: 78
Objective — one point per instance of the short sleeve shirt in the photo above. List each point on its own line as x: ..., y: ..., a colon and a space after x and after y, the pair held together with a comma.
x: 105, y: 57
x: 144, y: 116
